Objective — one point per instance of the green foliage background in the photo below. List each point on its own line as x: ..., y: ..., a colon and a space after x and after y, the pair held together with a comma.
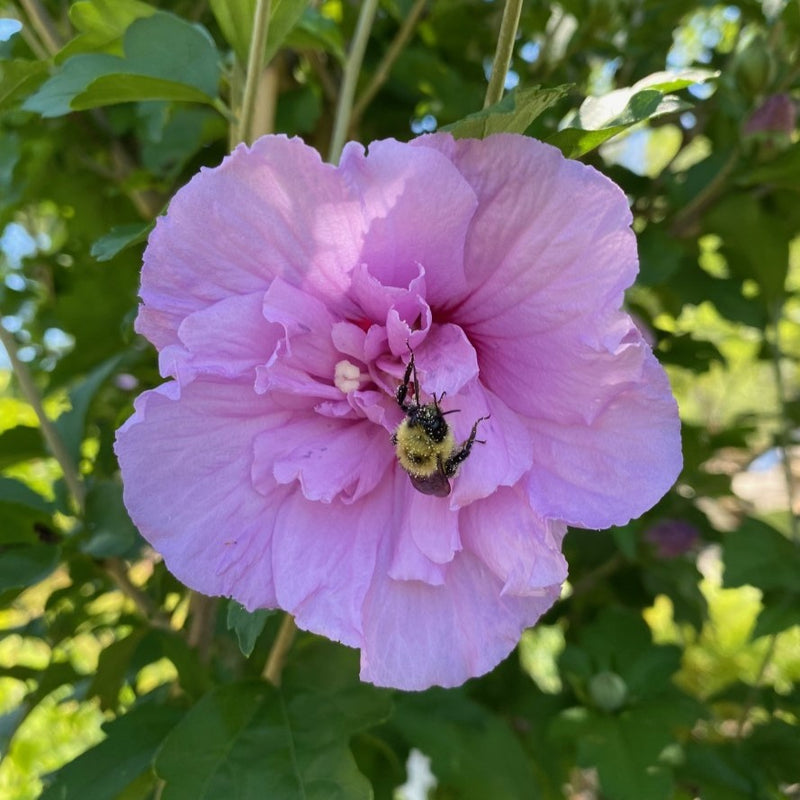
x: 656, y: 676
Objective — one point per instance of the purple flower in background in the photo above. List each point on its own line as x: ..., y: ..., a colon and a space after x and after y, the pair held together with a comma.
x: 671, y: 538
x: 777, y: 114
x: 285, y: 297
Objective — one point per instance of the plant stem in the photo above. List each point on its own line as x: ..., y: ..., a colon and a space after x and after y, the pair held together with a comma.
x: 784, y: 438
x: 385, y: 67
x: 255, y: 65
x: 49, y: 432
x: 785, y: 431
x: 505, y: 49
x: 354, y: 58
x: 280, y: 648
x: 42, y: 24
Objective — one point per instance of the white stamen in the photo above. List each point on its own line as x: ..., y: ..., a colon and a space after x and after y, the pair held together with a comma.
x: 347, y: 377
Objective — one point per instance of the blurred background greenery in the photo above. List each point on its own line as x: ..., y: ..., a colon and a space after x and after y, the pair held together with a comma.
x: 669, y: 667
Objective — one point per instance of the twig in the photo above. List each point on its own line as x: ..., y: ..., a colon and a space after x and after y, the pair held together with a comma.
x: 384, y: 68
x: 280, y: 648
x: 346, y: 94
x: 255, y: 66
x: 697, y: 205
x: 201, y: 630
x: 42, y: 24
x: 49, y: 432
x: 602, y: 571
x: 118, y: 572
x: 505, y: 49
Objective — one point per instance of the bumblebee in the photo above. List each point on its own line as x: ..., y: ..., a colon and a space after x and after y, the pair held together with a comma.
x: 424, y: 443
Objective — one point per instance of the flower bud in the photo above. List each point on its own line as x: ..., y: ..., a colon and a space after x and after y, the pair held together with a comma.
x: 672, y: 537
x: 608, y: 691
x: 777, y: 114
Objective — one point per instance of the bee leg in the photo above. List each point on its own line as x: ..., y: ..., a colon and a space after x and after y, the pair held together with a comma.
x: 452, y: 464
x: 402, y: 390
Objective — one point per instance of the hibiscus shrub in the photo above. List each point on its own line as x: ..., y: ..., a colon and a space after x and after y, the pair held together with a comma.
x: 356, y: 470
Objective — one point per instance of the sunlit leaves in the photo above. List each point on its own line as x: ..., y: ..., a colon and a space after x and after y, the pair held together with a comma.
x: 600, y: 118
x: 123, y: 759
x: 102, y: 24
x: 513, y: 114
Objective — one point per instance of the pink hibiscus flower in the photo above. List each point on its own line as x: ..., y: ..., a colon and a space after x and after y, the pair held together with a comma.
x: 285, y: 297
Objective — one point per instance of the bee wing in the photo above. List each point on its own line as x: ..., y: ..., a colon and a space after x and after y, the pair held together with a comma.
x: 436, y: 484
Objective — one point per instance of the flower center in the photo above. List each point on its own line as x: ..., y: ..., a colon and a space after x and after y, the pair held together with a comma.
x: 346, y: 376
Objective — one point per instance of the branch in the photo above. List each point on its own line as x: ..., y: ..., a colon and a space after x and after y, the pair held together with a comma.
x: 49, y: 432
x: 356, y: 55
x: 280, y: 649
x: 255, y: 66
x: 385, y: 67
x: 505, y: 49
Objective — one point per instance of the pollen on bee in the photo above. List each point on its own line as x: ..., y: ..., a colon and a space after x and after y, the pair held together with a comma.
x: 346, y: 376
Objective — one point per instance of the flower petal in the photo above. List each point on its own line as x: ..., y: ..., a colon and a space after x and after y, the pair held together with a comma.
x: 445, y: 361
x: 417, y: 635
x: 550, y: 239
x: 268, y: 210
x: 407, y: 223
x: 520, y: 548
x: 228, y: 339
x: 324, y: 560
x: 615, y: 468
x: 186, y: 457
x: 329, y: 457
x: 505, y: 454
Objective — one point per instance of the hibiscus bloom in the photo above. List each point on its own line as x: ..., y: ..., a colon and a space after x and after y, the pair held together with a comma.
x: 285, y: 297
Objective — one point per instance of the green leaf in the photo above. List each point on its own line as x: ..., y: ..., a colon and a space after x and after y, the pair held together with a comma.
x: 21, y: 443
x: 251, y: 741
x: 18, y: 78
x: 235, y: 18
x: 110, y: 89
x: 475, y: 755
x: 600, y: 118
x: 758, y: 555
x: 24, y: 514
x: 72, y: 424
x: 783, y: 170
x: 513, y: 114
x: 26, y: 565
x: 111, y: 532
x: 625, y: 751
x: 120, y: 237
x: 113, y: 667
x: 755, y: 241
x: 248, y: 625
x: 125, y: 755
x: 317, y: 32
x: 165, y: 58
x: 102, y: 24
x: 778, y: 614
